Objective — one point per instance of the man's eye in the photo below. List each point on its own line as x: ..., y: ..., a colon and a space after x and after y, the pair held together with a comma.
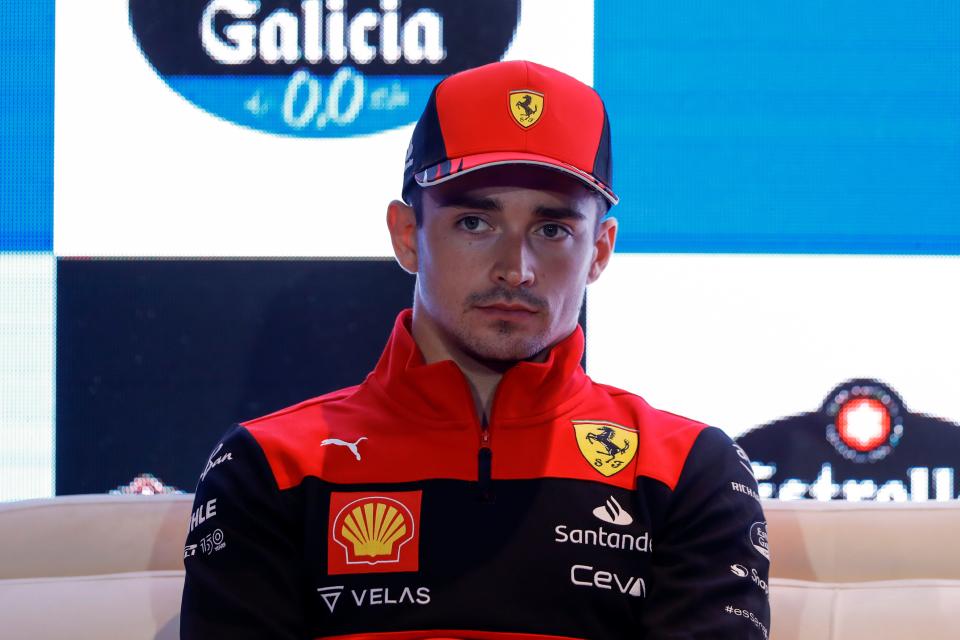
x: 473, y: 223
x: 552, y: 230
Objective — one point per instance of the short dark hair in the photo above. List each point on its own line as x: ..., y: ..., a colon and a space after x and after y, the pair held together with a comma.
x: 414, y: 197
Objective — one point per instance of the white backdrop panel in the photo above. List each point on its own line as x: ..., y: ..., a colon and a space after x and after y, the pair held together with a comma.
x: 738, y: 341
x: 27, y: 295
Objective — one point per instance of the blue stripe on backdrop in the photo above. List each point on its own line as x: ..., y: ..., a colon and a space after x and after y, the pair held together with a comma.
x: 26, y: 125
x: 815, y: 127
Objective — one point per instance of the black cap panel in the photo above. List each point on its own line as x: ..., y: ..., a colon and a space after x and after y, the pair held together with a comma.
x: 426, y: 146
x: 603, y: 163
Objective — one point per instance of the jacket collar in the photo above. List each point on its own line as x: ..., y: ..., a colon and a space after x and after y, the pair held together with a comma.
x: 440, y: 392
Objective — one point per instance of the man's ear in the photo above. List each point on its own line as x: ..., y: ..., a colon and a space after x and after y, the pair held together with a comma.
x: 602, y: 248
x: 402, y: 223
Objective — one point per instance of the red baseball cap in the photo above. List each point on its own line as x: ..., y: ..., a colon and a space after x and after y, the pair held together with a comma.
x: 514, y: 112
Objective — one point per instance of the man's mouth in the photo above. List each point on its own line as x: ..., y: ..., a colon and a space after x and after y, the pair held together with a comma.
x: 508, y: 307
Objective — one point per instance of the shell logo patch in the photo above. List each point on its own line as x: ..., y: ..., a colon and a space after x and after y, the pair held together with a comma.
x: 526, y: 107
x: 374, y: 532
x: 608, y: 447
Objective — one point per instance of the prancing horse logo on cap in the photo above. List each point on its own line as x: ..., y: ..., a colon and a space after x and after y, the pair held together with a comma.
x: 526, y: 107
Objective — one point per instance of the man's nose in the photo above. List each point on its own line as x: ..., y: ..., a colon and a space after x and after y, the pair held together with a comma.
x: 514, y: 265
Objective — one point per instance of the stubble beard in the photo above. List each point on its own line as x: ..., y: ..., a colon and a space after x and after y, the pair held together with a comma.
x: 500, y: 342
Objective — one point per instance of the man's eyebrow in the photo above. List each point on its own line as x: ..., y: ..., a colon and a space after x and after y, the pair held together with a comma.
x: 559, y: 213
x: 466, y: 201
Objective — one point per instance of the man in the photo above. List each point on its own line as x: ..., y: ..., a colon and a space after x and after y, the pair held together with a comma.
x: 477, y: 484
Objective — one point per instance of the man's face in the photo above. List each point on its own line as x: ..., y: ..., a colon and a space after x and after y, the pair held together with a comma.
x: 503, y: 257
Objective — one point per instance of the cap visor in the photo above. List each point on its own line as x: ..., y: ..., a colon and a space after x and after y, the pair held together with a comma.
x: 457, y: 167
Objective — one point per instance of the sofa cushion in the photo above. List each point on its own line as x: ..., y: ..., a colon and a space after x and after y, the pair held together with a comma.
x: 856, y: 542
x: 881, y: 610
x: 95, y: 534
x: 126, y: 605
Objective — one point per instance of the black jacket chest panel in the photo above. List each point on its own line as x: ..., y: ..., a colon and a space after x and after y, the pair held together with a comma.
x: 518, y: 550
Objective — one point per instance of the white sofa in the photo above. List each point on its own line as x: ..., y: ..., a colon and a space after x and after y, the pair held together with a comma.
x: 94, y: 567
x: 864, y: 570
x: 103, y: 567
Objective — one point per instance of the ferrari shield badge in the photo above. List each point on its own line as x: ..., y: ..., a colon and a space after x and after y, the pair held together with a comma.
x: 526, y: 107
x: 606, y: 446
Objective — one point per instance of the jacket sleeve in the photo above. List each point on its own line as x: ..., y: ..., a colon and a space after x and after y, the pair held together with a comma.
x: 709, y: 574
x: 241, y: 559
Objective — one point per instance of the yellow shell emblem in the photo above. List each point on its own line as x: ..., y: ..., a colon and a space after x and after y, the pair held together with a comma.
x: 373, y: 528
x: 526, y: 107
x: 608, y: 447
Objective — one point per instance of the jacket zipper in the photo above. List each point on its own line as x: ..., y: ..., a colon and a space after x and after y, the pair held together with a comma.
x: 485, y: 463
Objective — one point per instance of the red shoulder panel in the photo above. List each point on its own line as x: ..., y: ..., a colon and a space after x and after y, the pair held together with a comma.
x: 665, y: 438
x: 358, y: 436
x: 355, y: 436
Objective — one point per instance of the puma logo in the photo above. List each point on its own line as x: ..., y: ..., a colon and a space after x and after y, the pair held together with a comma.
x: 349, y: 445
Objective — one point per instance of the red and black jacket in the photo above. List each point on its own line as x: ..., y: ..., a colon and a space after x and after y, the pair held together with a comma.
x: 387, y: 510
